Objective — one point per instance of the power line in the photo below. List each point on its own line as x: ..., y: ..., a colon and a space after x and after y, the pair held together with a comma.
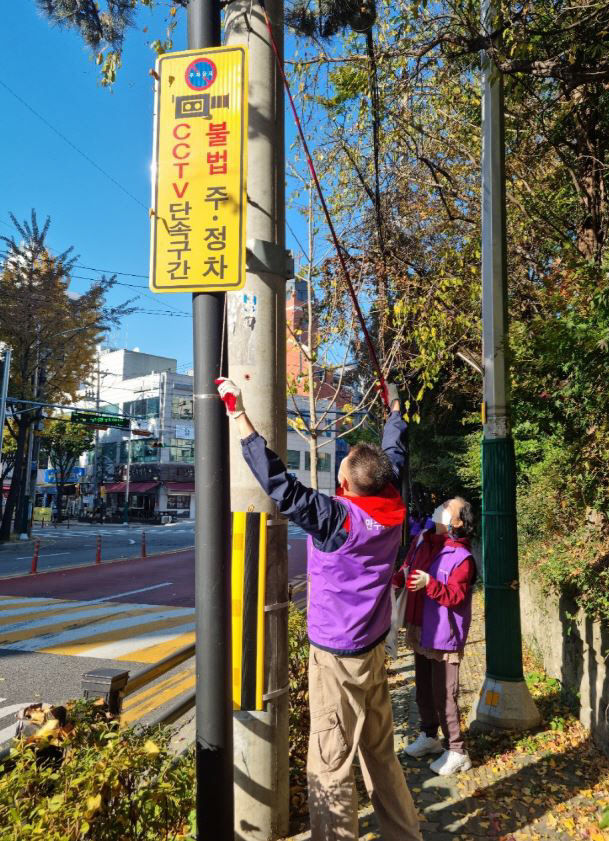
x: 108, y: 271
x: 72, y: 145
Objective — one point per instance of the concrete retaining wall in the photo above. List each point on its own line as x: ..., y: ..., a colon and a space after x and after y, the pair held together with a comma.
x: 573, y: 648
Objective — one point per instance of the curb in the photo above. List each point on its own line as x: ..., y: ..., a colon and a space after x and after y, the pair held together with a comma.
x: 93, y: 564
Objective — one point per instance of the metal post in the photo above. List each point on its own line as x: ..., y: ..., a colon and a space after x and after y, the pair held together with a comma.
x: 27, y: 485
x: 127, y: 483
x: 504, y: 701
x: 257, y: 358
x: 214, y: 741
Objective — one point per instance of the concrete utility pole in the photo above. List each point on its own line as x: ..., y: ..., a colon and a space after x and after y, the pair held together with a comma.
x: 257, y: 362
x: 214, y: 736
x: 504, y: 699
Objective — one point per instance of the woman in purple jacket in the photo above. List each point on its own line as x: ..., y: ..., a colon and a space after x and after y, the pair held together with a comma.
x: 440, y: 571
x: 352, y: 547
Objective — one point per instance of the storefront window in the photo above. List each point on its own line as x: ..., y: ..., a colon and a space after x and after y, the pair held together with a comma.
x: 294, y: 459
x: 181, y: 449
x: 142, y: 452
x: 324, y: 462
x: 175, y: 502
x: 145, y: 407
x: 108, y: 452
x: 181, y: 407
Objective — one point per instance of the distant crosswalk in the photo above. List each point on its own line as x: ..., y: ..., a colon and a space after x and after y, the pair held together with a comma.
x: 140, y: 633
x: 70, y: 534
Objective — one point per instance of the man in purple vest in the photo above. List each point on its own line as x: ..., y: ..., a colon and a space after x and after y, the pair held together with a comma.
x: 352, y: 547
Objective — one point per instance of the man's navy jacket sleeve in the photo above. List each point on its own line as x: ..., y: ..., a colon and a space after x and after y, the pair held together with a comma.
x: 316, y: 513
x: 395, y: 443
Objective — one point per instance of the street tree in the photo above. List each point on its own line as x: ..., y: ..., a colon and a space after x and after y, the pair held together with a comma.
x: 65, y: 442
x: 398, y: 126
x: 103, y: 26
x: 53, y: 334
x: 7, y: 462
x: 325, y: 401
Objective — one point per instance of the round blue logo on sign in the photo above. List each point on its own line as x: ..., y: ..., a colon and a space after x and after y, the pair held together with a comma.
x: 200, y: 74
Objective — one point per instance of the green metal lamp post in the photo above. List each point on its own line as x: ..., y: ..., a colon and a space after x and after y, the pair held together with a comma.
x: 504, y: 701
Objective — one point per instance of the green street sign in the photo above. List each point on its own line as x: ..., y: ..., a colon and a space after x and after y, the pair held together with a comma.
x: 97, y: 419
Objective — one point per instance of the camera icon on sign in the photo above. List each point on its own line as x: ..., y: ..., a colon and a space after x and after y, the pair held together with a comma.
x: 200, y: 105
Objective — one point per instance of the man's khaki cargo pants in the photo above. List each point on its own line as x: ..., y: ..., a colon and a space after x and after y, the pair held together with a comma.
x: 351, y: 711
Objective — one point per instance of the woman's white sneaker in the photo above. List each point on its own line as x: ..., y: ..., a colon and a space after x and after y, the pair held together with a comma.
x: 450, y: 763
x: 423, y: 745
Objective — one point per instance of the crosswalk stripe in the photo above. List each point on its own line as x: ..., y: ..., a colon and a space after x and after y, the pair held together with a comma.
x: 128, y: 648
x: 157, y: 695
x: 7, y: 601
x: 154, y: 653
x: 47, y: 628
x: 95, y: 631
x: 77, y: 644
x: 8, y: 732
x: 61, y: 614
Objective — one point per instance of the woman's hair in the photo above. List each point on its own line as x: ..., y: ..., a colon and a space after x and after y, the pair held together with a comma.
x: 466, y: 515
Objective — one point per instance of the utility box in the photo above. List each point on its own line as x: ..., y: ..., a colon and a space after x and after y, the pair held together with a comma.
x: 108, y: 684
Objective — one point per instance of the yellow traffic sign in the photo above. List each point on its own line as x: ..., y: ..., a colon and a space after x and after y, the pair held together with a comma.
x: 199, y: 171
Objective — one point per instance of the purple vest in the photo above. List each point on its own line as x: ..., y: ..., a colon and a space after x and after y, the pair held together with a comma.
x: 349, y: 602
x: 446, y: 628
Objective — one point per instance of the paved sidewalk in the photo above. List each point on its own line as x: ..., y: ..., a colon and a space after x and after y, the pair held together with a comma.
x: 551, y: 783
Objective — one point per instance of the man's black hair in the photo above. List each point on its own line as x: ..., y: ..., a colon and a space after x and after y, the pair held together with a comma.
x: 370, y: 468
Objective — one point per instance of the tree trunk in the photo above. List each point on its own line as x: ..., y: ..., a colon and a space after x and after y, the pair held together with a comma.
x: 313, y: 451
x: 592, y: 150
x: 16, y: 482
x: 60, y: 496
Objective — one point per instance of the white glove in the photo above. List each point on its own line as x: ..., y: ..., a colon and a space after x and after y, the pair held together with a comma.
x: 418, y: 579
x: 230, y: 394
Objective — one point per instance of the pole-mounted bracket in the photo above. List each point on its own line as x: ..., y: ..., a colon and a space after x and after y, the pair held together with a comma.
x: 271, y: 608
x: 263, y: 256
x: 275, y: 693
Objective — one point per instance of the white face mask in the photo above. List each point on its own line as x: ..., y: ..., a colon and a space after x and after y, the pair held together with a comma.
x: 442, y: 515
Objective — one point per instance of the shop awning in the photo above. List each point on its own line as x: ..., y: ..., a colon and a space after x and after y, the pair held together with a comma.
x: 134, y: 487
x: 180, y: 487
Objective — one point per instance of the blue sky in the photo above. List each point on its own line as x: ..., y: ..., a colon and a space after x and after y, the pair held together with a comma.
x: 51, y: 70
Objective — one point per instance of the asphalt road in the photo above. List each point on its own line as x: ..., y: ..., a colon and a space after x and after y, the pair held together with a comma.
x: 65, y: 546
x: 57, y: 625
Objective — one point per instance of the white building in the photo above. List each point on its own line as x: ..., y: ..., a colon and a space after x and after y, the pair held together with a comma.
x: 148, y: 389
x: 299, y: 453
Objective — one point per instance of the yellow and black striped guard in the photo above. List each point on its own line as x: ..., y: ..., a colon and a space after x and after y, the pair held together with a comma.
x: 248, y: 599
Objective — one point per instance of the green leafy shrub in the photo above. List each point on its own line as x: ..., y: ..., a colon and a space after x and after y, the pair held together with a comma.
x: 123, y: 785
x: 298, y: 652
x: 112, y: 785
x: 576, y: 564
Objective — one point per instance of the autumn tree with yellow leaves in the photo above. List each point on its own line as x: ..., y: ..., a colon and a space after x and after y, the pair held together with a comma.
x: 53, y: 334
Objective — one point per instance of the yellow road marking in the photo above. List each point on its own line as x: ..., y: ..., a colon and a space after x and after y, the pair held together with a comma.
x: 55, y: 627
x: 81, y: 647
x: 25, y: 602
x: 57, y: 610
x: 155, y: 696
x: 154, y: 653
